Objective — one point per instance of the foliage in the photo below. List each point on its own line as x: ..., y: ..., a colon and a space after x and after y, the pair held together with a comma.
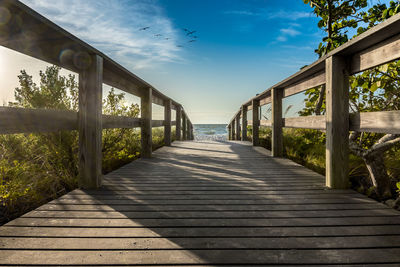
x: 35, y: 168
x: 372, y: 90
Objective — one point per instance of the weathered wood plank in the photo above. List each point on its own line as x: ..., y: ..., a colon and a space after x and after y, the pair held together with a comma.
x: 306, y: 83
x: 178, y: 131
x: 109, y: 121
x: 276, y: 123
x: 237, y: 125
x: 266, y: 123
x: 90, y: 123
x: 337, y: 122
x: 216, y: 243
x: 131, y: 257
x: 379, y: 122
x: 244, y: 123
x: 309, y: 122
x: 20, y: 120
x: 146, y: 116
x: 167, y: 121
x: 322, y: 231
x: 379, y: 54
x: 157, y: 123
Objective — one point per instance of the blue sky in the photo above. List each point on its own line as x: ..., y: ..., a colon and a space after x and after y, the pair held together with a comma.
x: 243, y: 47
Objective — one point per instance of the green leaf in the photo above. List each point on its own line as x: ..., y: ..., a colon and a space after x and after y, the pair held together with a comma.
x: 373, y: 87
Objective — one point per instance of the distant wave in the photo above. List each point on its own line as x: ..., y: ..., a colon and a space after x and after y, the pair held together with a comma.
x: 216, y: 132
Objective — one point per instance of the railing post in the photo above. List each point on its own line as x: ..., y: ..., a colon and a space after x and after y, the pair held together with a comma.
x: 256, y: 121
x: 90, y: 124
x: 337, y: 122
x: 167, y: 122
x: 277, y: 135
x: 178, y: 126
x: 244, y: 123
x: 233, y: 130
x: 229, y: 131
x: 146, y: 130
x: 192, y: 132
x: 237, y: 124
x: 184, y: 125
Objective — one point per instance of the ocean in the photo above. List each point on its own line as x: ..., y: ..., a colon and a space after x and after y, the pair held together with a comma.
x: 217, y: 132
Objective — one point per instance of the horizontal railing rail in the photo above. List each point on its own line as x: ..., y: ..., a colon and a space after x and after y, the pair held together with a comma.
x: 377, y: 46
x: 31, y: 34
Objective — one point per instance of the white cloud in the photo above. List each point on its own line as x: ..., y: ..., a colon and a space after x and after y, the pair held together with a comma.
x: 113, y: 27
x: 268, y: 14
x: 290, y: 32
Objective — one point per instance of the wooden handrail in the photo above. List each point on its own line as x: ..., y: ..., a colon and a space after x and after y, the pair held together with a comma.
x: 377, y: 46
x: 46, y: 41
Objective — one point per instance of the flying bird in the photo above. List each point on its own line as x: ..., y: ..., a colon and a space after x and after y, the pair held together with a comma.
x: 167, y: 38
x: 191, y: 41
x: 190, y: 33
x: 143, y: 29
x: 195, y: 37
x: 179, y: 46
x: 158, y: 35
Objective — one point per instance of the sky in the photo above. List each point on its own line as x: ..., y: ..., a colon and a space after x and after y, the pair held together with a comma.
x: 241, y: 49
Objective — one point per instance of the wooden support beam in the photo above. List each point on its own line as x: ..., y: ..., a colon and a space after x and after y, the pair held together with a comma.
x: 337, y: 122
x: 277, y: 135
x: 233, y: 130
x: 237, y: 124
x: 146, y: 130
x: 23, y: 120
x: 90, y: 124
x: 306, y: 83
x: 110, y: 121
x: 244, y: 123
x: 229, y: 131
x: 184, y: 126
x: 178, y: 128
x: 157, y: 123
x: 167, y: 122
x: 255, y: 122
x: 307, y: 122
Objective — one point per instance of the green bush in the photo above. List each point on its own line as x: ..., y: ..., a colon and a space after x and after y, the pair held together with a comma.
x: 36, y: 168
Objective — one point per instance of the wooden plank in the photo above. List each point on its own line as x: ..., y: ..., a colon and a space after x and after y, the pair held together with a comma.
x: 178, y: 123
x: 378, y: 54
x: 205, y: 222
x: 309, y: 122
x: 20, y: 120
x: 146, y: 129
x: 247, y: 243
x: 244, y: 123
x: 237, y: 125
x: 337, y: 122
x: 321, y: 231
x: 265, y: 101
x: 214, y: 214
x: 90, y: 123
x: 110, y: 121
x: 157, y: 123
x: 167, y: 121
x: 117, y: 81
x: 378, y: 122
x: 204, y: 207
x: 276, y: 123
x: 266, y: 123
x: 312, y: 81
x: 162, y: 257
x: 184, y: 125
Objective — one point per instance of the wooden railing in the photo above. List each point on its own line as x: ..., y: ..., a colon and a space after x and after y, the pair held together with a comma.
x: 374, y: 47
x: 31, y: 34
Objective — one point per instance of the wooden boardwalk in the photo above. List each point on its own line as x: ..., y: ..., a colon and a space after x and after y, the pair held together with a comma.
x: 204, y: 204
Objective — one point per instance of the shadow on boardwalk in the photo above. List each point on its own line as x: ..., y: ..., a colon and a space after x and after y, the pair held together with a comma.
x: 207, y: 203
